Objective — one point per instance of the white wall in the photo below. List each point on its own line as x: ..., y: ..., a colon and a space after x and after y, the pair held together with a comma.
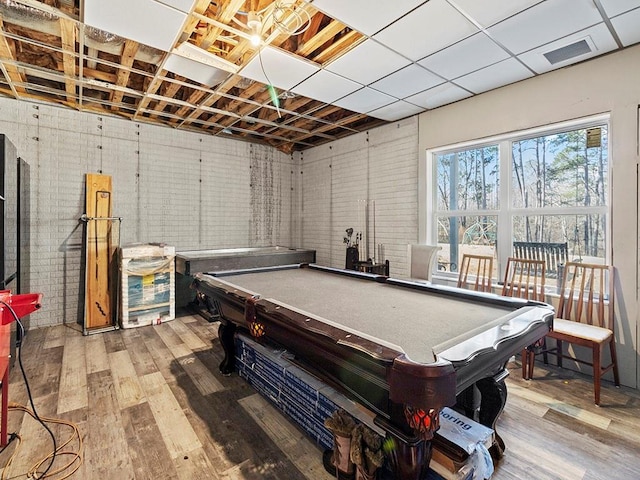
x: 379, y: 165
x: 605, y: 84
x: 384, y: 164
x: 184, y: 189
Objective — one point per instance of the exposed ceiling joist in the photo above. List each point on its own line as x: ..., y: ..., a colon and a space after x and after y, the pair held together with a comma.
x: 337, y: 70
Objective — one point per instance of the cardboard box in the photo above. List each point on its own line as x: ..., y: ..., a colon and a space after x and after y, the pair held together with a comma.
x: 147, y: 277
x: 460, y: 447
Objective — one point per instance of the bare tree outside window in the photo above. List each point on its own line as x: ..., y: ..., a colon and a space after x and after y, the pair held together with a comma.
x: 557, y: 191
x: 468, y: 181
x: 562, y: 171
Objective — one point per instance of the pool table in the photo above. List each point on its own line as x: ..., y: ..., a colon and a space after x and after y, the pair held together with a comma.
x: 401, y: 349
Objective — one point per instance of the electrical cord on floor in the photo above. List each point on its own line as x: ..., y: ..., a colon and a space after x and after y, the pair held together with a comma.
x: 73, y: 464
x: 12, y: 437
x: 13, y: 455
x: 33, y: 412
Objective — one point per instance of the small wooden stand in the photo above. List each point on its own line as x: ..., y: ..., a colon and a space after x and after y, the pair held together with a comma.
x: 101, y: 244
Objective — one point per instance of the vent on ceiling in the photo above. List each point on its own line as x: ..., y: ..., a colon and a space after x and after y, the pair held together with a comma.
x: 568, y: 52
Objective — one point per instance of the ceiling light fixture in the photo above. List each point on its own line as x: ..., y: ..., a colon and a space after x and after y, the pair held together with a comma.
x: 197, y: 54
x: 255, y: 25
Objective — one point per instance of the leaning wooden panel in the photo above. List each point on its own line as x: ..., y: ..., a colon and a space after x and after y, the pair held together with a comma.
x: 100, y: 249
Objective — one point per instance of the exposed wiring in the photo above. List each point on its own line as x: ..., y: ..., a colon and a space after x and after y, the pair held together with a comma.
x: 240, y: 12
x: 285, y: 17
x: 299, y: 18
x: 270, y: 87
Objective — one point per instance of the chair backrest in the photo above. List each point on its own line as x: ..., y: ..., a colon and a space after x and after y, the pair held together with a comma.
x: 524, y: 278
x: 421, y: 260
x: 587, y: 294
x: 475, y: 272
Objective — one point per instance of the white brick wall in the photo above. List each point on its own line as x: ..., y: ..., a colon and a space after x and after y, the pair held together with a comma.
x: 315, y: 204
x: 195, y: 191
x: 185, y: 189
x: 380, y: 165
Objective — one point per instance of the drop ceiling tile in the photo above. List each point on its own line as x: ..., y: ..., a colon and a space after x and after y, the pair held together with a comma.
x: 546, y: 22
x: 147, y: 22
x: 364, y: 100
x: 366, y: 16
x: 205, y: 74
x: 367, y: 63
x: 405, y: 82
x: 627, y: 27
x: 282, y: 69
x: 438, y: 96
x: 470, y: 54
x: 598, y: 38
x: 494, y: 76
x: 182, y: 5
x: 438, y: 24
x: 326, y: 87
x: 489, y: 12
x: 616, y: 7
x: 396, y: 111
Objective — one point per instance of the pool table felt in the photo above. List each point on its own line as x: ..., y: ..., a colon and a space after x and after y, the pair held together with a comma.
x: 412, y: 321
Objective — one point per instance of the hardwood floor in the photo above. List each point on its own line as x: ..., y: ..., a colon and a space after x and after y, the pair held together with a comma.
x: 150, y: 404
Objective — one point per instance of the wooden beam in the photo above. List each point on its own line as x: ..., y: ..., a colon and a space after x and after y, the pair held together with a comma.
x: 68, y: 39
x: 339, y: 46
x: 10, y: 71
x: 154, y: 85
x: 99, y: 75
x: 314, y: 26
x: 193, y: 99
x: 129, y: 51
x: 196, y: 99
x: 326, y: 34
x: 169, y: 91
x: 226, y: 14
x: 192, y: 22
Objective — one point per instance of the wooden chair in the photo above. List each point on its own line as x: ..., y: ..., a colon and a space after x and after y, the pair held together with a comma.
x: 421, y: 261
x: 475, y: 272
x: 585, y: 317
x: 524, y: 278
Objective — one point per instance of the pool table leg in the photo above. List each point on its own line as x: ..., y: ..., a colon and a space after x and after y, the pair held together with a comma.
x: 493, y: 397
x: 409, y: 461
x: 484, y: 402
x: 226, y: 334
x: 408, y: 442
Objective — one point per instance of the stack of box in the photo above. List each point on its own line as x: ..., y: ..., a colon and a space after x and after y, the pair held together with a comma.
x: 309, y: 402
x: 303, y: 398
x: 147, y: 273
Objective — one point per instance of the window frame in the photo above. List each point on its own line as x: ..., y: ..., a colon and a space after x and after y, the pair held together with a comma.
x: 506, y: 211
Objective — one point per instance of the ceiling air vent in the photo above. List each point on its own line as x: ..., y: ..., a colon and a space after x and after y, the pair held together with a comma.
x: 568, y: 52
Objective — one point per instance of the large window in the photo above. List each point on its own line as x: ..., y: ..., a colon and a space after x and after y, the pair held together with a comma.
x: 546, y: 186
